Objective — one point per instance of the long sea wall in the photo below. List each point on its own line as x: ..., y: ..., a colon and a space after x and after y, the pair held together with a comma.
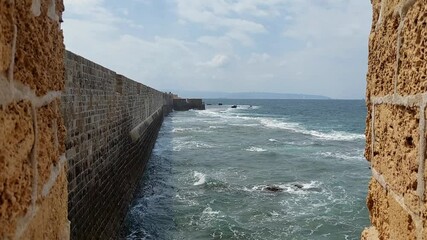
x: 396, y: 122
x: 112, y: 124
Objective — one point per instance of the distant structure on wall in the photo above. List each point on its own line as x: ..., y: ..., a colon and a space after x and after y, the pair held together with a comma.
x: 182, y: 104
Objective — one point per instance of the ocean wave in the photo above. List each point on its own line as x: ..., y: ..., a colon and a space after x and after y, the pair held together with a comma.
x: 216, y: 127
x: 209, y: 211
x: 188, y: 202
x: 337, y: 135
x: 276, y: 124
x: 256, y: 149
x: 272, y: 140
x: 242, y: 107
x: 245, y: 124
x: 179, y: 145
x: 250, y: 121
x: 292, y: 188
x: 343, y: 156
x: 208, y: 216
x: 195, y: 129
x: 296, y: 127
x: 201, y: 178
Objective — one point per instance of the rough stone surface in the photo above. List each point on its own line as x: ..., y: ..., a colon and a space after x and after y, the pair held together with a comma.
x: 31, y: 67
x: 396, y: 121
x: 101, y: 108
x: 6, y: 34
x: 42, y: 37
x: 382, y: 51
x: 413, y: 53
x: 16, y: 176
x: 396, y: 129
x: 378, y: 209
x: 370, y: 233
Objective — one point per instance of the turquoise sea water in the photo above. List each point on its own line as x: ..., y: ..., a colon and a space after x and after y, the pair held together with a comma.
x: 207, y: 175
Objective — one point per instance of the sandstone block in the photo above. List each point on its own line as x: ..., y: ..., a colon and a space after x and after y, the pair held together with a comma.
x: 16, y: 175
x: 39, y: 48
x: 382, y: 50
x: 6, y: 34
x: 50, y: 141
x: 412, y: 76
x: 402, y: 225
x: 396, y: 146
x: 378, y: 208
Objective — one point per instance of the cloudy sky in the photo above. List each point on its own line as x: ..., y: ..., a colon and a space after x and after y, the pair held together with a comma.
x: 283, y: 46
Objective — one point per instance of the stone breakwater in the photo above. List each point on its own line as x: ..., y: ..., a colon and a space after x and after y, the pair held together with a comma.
x: 74, y: 136
x: 396, y: 122
x: 112, y: 124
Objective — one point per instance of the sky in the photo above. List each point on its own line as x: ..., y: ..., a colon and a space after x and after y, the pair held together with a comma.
x: 281, y: 46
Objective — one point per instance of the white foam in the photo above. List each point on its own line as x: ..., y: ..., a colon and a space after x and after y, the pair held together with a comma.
x: 272, y: 140
x: 275, y: 124
x: 274, y: 213
x: 194, y: 129
x: 216, y: 127
x: 311, y: 184
x: 181, y: 143
x: 337, y: 135
x: 289, y: 187
x: 268, y: 122
x: 201, y: 178
x: 256, y: 149
x: 296, y: 127
x: 357, y: 156
x: 209, y: 211
x: 245, y: 124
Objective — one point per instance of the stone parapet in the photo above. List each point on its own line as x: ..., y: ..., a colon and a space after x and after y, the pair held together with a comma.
x: 396, y: 122
x: 33, y: 182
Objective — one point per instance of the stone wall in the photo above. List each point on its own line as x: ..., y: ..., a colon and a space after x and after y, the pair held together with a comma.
x: 33, y: 184
x: 112, y: 125
x: 396, y: 122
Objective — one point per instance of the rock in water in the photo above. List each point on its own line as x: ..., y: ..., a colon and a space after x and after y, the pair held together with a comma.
x: 273, y: 189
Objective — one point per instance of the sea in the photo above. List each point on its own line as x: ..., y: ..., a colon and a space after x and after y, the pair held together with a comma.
x: 267, y: 169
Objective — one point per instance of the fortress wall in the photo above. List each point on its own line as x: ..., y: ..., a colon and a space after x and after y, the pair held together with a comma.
x: 33, y: 182
x: 112, y: 125
x: 396, y: 122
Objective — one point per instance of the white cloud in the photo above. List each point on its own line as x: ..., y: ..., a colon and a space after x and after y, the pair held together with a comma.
x: 303, y: 46
x: 218, y: 61
x: 258, y: 58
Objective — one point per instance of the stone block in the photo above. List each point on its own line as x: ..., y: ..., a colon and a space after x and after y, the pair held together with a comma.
x: 7, y: 11
x: 16, y: 174
x: 50, y: 141
x: 370, y: 233
x: 401, y: 224
x: 51, y: 220
x: 378, y: 208
x: 396, y: 146
x: 382, y: 50
x: 413, y: 52
x: 39, y: 47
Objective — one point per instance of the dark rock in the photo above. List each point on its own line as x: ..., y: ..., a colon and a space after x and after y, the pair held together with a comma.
x: 273, y: 189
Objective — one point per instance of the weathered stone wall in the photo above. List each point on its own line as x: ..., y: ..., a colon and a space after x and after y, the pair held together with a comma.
x: 33, y: 184
x: 112, y: 123
x: 396, y: 122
